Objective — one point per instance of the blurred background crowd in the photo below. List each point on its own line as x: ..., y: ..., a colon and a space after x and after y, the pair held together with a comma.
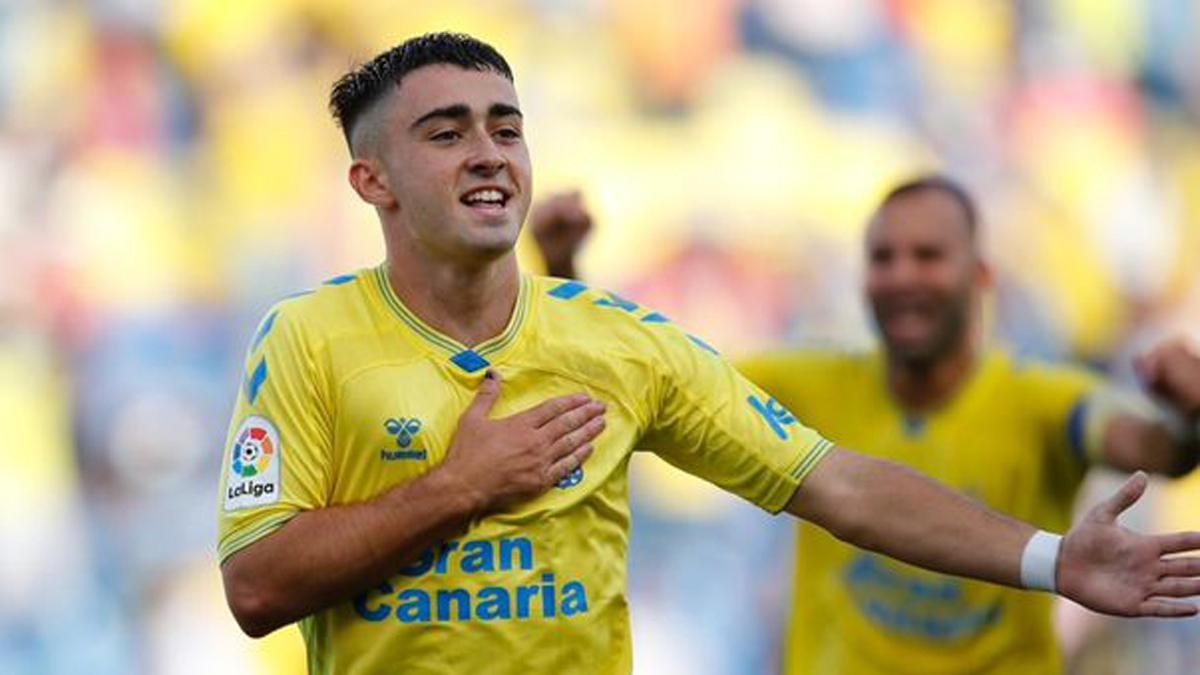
x: 169, y: 169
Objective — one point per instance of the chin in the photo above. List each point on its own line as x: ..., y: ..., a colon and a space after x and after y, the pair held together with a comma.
x: 491, y: 248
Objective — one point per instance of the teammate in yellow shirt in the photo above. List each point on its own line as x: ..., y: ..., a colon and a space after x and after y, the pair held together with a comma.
x: 383, y: 487
x: 1016, y: 436
x: 1010, y: 435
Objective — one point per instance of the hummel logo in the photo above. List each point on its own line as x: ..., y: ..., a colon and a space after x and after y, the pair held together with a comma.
x: 405, y: 430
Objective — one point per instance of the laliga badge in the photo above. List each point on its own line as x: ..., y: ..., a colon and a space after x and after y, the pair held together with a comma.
x: 253, y: 465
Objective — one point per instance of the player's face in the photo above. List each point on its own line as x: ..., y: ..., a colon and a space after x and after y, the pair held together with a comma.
x: 922, y: 275
x: 456, y: 161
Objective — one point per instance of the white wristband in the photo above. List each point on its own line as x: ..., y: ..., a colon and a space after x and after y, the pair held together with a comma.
x: 1039, y: 562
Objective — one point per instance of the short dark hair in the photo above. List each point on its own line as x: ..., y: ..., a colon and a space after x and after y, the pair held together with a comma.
x: 945, y: 185
x: 359, y: 89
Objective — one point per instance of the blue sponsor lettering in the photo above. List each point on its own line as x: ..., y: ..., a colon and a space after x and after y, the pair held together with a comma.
x: 490, y: 603
x: 444, y: 555
x: 414, y: 606
x: 548, y: 594
x: 478, y: 558
x: 523, y: 549
x: 380, y: 611
x: 493, y: 604
x: 525, y: 595
x: 930, y: 607
x: 574, y: 599
x: 460, y: 597
x: 546, y: 599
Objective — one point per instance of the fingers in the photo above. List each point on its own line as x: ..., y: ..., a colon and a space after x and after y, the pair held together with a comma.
x: 1165, y: 608
x: 485, y: 395
x: 573, y: 447
x: 1175, y: 587
x: 551, y: 409
x: 571, y: 420
x: 572, y: 440
x: 1180, y: 567
x: 564, y: 466
x: 1178, y: 542
x: 1124, y: 497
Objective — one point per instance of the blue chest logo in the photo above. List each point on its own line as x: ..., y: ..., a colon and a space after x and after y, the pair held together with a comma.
x: 405, y: 431
x: 571, y: 480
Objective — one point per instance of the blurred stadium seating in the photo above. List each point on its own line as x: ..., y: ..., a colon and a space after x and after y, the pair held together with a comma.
x: 168, y: 169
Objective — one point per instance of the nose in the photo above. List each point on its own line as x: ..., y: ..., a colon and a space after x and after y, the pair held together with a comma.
x: 895, y: 273
x: 903, y: 270
x: 486, y: 158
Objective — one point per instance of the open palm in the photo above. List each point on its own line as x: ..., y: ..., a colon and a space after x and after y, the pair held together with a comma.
x: 1114, y: 570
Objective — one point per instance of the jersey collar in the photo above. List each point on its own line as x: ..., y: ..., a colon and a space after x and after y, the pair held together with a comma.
x: 469, y: 359
x: 915, y: 423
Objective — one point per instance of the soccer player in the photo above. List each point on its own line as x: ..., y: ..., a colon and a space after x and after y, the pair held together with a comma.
x: 1017, y: 436
x: 397, y: 481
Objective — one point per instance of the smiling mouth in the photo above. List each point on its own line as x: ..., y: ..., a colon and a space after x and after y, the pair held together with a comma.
x: 486, y: 199
x: 908, y: 323
x: 907, y: 320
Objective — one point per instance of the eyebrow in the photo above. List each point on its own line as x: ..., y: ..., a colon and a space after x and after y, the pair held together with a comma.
x: 461, y: 110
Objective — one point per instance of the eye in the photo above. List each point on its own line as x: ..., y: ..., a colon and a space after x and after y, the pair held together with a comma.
x: 445, y: 136
x: 929, y: 254
x: 508, y: 133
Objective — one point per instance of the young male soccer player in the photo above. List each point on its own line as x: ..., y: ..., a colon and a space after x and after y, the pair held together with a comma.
x: 417, y: 515
x: 1017, y: 436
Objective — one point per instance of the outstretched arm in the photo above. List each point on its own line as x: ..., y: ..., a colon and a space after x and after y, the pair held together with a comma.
x: 884, y: 507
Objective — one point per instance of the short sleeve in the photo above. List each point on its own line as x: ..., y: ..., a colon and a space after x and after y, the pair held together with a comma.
x: 710, y: 421
x: 1059, y: 399
x: 765, y: 370
x: 279, y: 444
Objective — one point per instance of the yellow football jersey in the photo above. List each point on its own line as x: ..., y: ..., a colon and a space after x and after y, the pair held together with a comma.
x: 348, y: 394
x: 1012, y: 438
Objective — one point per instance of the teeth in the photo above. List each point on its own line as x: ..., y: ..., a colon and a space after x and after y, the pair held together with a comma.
x: 485, y: 196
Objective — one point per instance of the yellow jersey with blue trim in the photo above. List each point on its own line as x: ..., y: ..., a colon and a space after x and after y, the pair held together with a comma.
x: 1011, y: 437
x: 348, y: 393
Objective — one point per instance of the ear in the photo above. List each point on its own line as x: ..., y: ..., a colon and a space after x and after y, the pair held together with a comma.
x: 371, y: 183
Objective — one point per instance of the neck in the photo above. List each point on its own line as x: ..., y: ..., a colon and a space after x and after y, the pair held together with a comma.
x: 920, y: 387
x: 469, y: 303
